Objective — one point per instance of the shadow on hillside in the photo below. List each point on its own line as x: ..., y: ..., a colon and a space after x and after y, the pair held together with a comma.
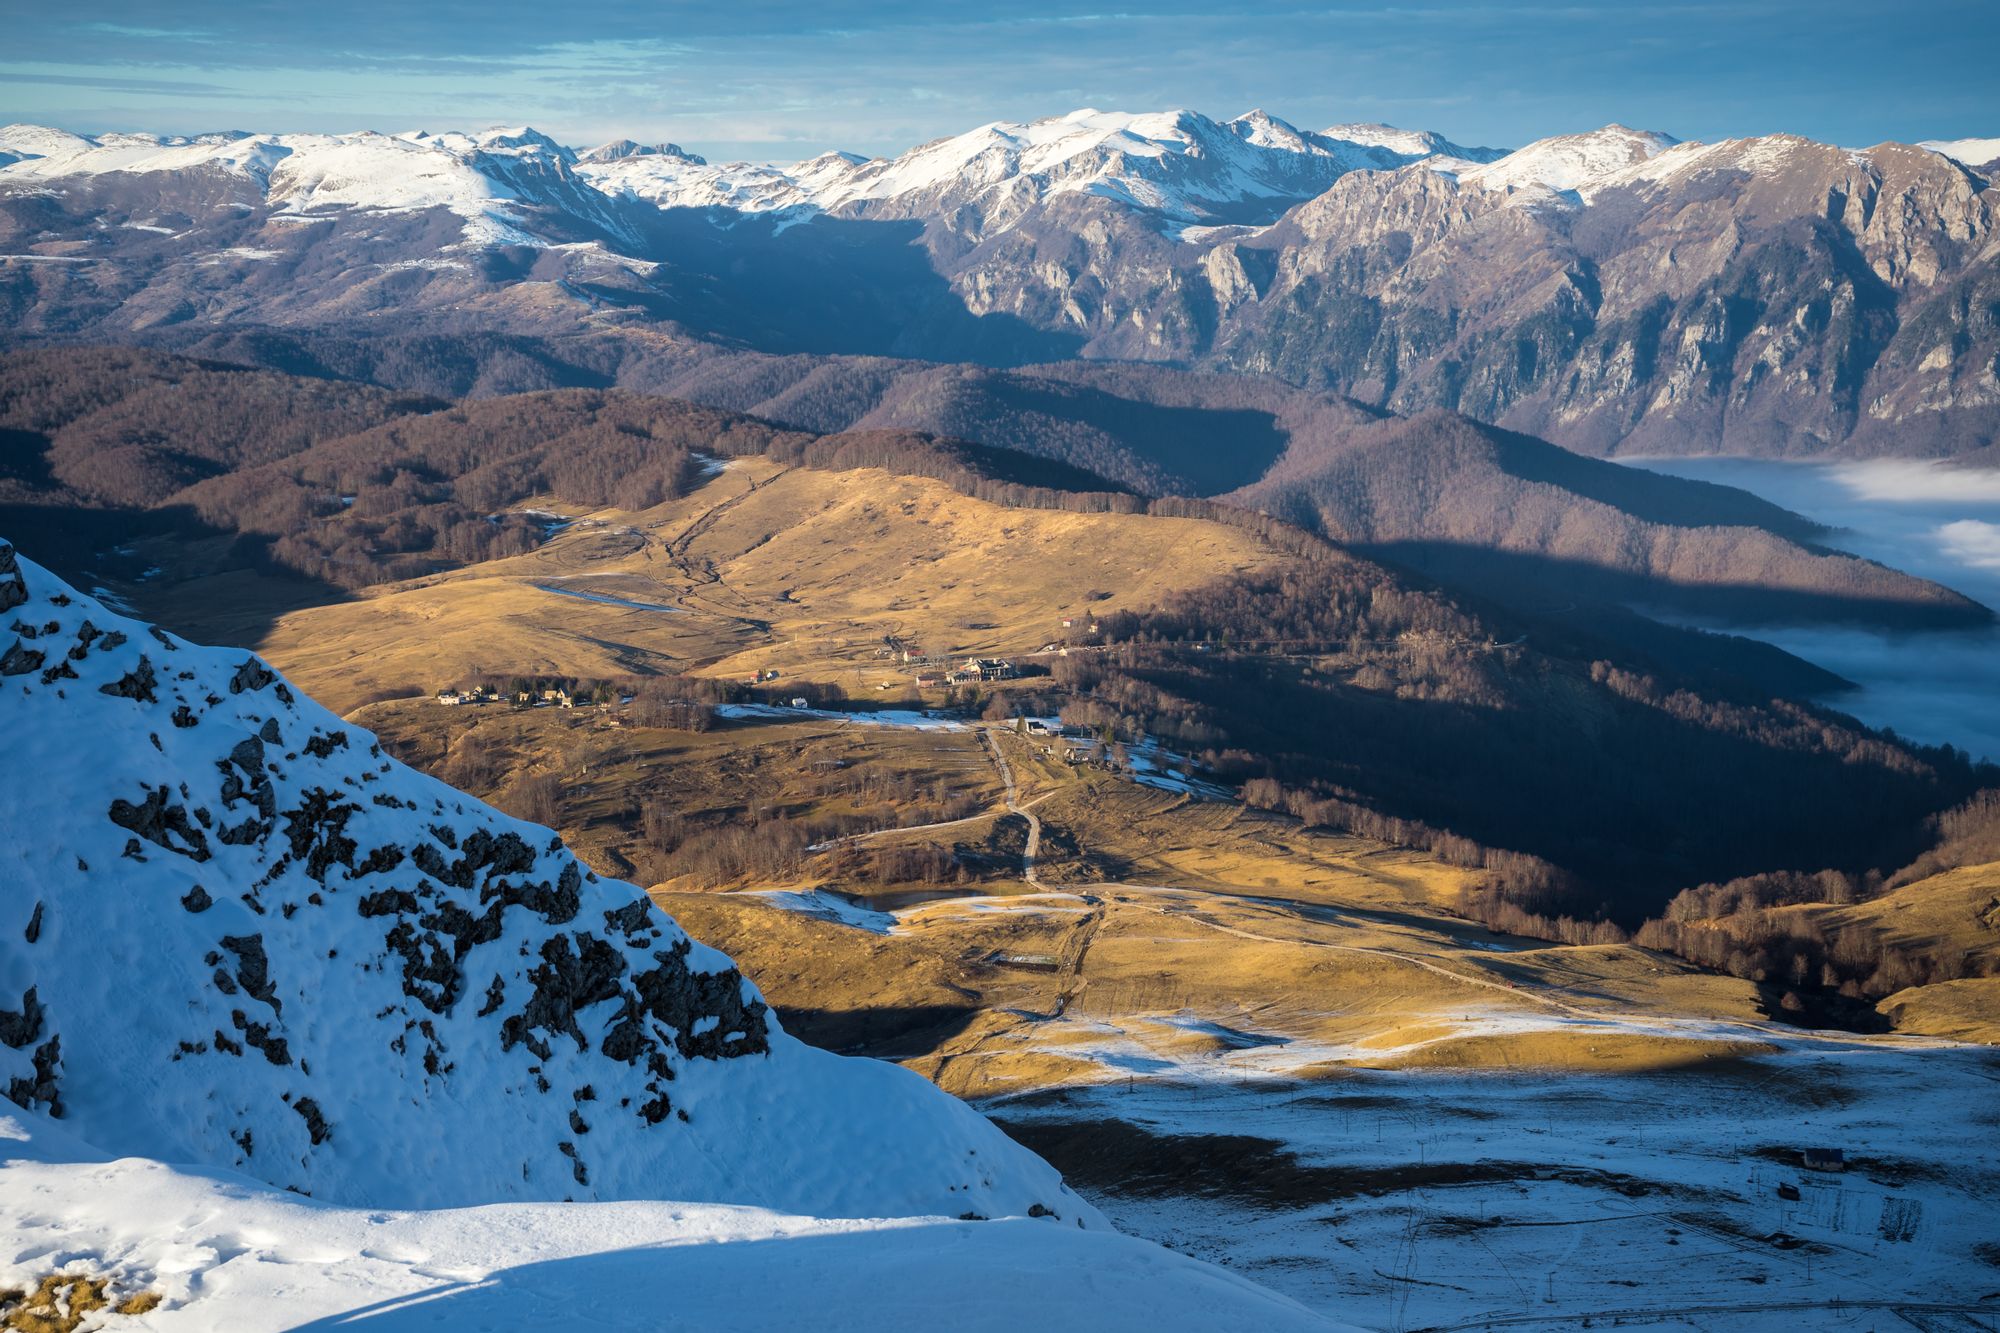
x: 1656, y: 497
x: 235, y: 601
x: 1525, y: 578
x: 824, y: 285
x: 1637, y: 790
x: 886, y: 1033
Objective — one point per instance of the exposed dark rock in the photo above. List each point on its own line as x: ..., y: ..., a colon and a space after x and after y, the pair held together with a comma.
x: 568, y: 980
x: 20, y: 1026
x: 20, y: 659
x: 86, y: 634
x: 576, y: 1166
x: 196, y: 899
x: 505, y: 854
x: 379, y: 861
x: 320, y: 746
x: 678, y: 996
x: 253, y: 968
x: 314, y: 830
x: 629, y: 919
x: 137, y: 684
x: 316, y: 1125
x: 387, y: 902
x: 165, y: 825
x: 252, y: 675
x: 13, y: 584
x: 43, y: 1086
x: 259, y: 1035
x: 430, y: 971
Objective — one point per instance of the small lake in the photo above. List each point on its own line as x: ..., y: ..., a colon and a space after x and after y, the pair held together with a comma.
x: 1938, y: 522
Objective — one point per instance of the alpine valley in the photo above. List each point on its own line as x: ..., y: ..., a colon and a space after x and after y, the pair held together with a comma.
x: 1126, y: 721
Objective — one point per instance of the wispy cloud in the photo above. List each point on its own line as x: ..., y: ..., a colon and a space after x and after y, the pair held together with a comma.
x: 878, y: 75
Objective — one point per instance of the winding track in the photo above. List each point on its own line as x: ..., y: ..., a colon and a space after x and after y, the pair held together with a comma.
x: 1034, y: 847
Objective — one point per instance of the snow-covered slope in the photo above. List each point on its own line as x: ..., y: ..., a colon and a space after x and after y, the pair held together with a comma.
x: 1175, y: 162
x: 1569, y: 162
x: 234, y: 933
x: 490, y: 179
x: 1408, y: 145
x: 225, y: 1253
x: 673, y: 179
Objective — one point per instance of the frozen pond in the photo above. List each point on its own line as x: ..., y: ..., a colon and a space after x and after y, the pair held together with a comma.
x: 1938, y: 522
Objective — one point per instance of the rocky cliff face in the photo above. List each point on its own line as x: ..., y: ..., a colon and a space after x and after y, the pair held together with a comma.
x: 1764, y: 296
x: 233, y: 931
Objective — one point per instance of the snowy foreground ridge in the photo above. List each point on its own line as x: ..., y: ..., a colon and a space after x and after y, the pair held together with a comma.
x: 264, y: 991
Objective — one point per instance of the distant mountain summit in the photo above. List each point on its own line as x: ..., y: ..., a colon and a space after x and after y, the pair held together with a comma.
x: 236, y: 933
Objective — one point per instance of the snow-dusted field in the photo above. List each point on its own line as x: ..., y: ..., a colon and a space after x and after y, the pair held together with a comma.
x: 228, y: 1253
x: 1415, y: 1200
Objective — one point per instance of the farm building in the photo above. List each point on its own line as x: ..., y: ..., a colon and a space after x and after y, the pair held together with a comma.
x: 1824, y: 1159
x: 987, y: 668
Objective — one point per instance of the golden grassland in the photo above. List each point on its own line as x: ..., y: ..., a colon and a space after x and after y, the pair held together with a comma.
x: 764, y: 568
x: 741, y: 769
x: 1335, y: 955
x: 1966, y: 1010
x: 1156, y: 932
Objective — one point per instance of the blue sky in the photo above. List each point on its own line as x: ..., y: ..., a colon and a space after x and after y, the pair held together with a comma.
x: 783, y: 80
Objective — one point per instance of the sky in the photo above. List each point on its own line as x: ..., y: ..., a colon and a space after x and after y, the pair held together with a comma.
x: 784, y: 79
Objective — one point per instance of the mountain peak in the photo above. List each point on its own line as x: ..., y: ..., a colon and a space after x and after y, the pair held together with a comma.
x: 1570, y: 162
x: 620, y: 149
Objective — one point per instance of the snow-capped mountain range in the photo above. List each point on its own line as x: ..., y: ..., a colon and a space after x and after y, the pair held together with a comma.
x: 1657, y: 281
x: 1179, y: 163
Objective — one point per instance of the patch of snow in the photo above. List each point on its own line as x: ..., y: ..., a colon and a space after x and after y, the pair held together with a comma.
x: 887, y: 717
x: 606, y: 599
x: 668, y: 181
x: 1540, y: 1201
x: 827, y: 907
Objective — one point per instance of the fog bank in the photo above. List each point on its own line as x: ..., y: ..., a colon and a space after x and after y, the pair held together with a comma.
x: 1939, y: 522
